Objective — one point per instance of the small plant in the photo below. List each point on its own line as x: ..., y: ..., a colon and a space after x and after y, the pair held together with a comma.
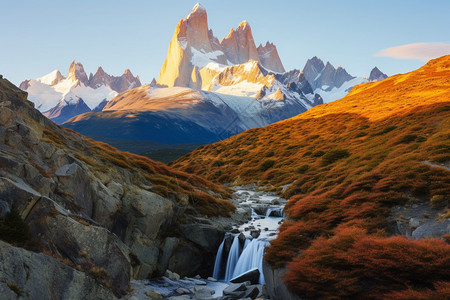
x: 303, y: 169
x: 384, y: 130
x: 361, y: 134
x: 218, y: 163
x: 267, y: 164
x: 334, y: 155
x: 15, y: 288
x: 437, y: 200
x: 406, y: 139
x: 318, y: 153
x: 270, y: 154
x: 99, y: 272
x: 13, y: 229
x: 237, y: 162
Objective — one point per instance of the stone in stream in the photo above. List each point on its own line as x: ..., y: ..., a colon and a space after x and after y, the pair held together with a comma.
x: 252, y: 292
x: 183, y: 297
x: 235, y: 287
x: 255, y: 233
x: 195, y: 281
x: 182, y: 291
x: 251, y: 275
x: 154, y: 295
x: 204, y: 293
x: 172, y: 275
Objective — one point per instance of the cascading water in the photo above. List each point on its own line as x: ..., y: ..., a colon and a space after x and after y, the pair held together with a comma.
x: 249, y: 255
x: 233, y: 258
x: 275, y: 212
x: 218, y: 262
x: 252, y: 257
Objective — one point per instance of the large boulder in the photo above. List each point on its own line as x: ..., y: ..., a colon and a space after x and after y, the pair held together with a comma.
x: 94, y: 249
x: 28, y: 275
x: 251, y: 275
x: 206, y: 236
x: 275, y: 286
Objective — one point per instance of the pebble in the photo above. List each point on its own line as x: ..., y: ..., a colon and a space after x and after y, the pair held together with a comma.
x: 154, y: 295
x: 182, y: 291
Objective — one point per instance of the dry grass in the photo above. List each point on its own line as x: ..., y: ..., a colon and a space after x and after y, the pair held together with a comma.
x: 348, y: 163
x: 166, y: 181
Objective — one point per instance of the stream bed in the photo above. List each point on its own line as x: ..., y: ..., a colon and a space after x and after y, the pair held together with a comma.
x: 239, y: 257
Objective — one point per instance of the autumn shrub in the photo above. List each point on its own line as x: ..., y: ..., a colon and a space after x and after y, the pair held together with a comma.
x: 270, y: 154
x: 354, y: 265
x: 384, y: 130
x: 334, y: 155
x: 267, y: 164
x: 408, y: 138
x: 318, y: 153
x: 302, y: 169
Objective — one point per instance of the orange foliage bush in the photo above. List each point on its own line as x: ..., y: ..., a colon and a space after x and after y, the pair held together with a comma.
x: 354, y: 265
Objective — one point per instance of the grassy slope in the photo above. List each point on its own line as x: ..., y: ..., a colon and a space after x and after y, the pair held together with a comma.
x: 164, y: 180
x: 347, y: 164
x: 203, y: 196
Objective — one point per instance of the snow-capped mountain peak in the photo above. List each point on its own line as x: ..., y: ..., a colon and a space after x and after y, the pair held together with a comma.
x: 51, y: 78
x: 61, y: 97
x: 76, y: 72
x: 192, y: 39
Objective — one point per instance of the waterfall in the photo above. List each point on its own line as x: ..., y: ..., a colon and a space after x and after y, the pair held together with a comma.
x: 251, y: 258
x: 218, y: 262
x: 254, y: 214
x: 247, y: 241
x: 277, y: 212
x: 239, y: 263
x: 233, y: 257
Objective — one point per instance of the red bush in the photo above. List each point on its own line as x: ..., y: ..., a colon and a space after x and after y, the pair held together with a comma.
x: 354, y: 265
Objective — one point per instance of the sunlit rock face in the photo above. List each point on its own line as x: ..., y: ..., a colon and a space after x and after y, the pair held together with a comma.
x: 196, y: 56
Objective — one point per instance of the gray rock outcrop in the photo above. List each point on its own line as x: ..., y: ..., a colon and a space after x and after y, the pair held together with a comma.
x: 112, y: 216
x: 29, y: 275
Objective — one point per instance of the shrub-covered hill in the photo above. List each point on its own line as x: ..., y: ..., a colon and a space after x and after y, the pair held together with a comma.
x: 357, y: 171
x: 96, y: 215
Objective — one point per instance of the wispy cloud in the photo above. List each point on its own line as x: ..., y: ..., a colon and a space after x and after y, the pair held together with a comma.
x: 421, y: 51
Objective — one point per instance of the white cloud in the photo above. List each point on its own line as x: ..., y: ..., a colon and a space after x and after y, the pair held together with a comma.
x: 421, y: 51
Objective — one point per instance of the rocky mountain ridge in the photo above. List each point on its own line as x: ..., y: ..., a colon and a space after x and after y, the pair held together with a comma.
x: 182, y: 115
x: 195, y: 55
x: 60, y: 98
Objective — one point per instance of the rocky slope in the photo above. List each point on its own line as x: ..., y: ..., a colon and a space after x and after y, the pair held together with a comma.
x: 98, y: 216
x: 59, y: 98
x: 357, y: 171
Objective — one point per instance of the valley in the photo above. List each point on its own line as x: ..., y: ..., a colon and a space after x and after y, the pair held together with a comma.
x: 233, y: 174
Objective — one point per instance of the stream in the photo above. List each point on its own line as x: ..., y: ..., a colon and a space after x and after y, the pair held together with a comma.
x: 239, y: 257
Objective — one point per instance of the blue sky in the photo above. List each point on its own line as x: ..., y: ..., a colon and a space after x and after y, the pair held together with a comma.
x: 40, y: 36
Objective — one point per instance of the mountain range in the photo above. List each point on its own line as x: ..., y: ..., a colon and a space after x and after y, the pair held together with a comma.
x: 59, y: 98
x: 206, y: 90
